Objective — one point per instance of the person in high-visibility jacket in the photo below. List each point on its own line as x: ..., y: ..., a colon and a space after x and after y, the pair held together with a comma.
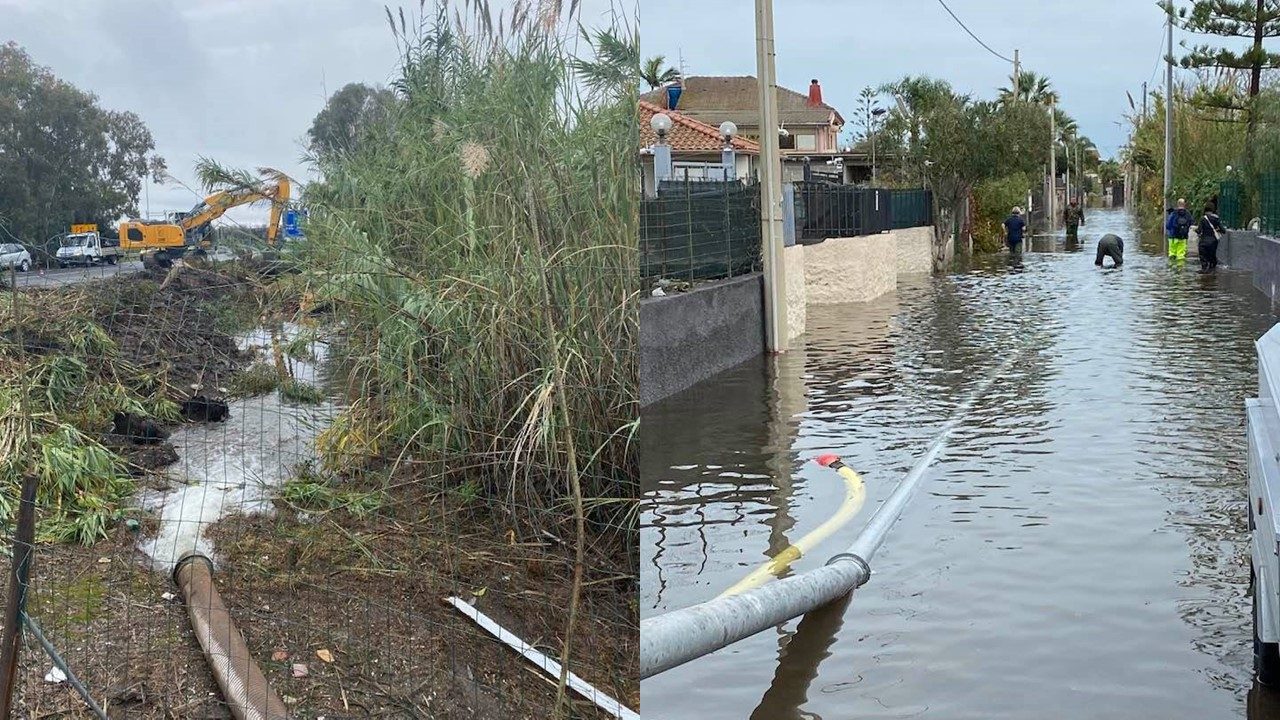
x: 1176, y: 229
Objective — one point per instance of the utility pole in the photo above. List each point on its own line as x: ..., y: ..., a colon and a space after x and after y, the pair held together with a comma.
x: 1168, y: 117
x: 1052, y: 205
x: 1136, y: 196
x: 775, y: 281
x: 1017, y: 74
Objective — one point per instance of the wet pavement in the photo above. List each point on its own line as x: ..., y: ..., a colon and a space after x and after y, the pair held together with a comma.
x: 53, y: 277
x: 1080, y: 549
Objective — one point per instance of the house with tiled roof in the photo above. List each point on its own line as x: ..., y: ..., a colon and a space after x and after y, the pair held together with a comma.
x: 809, y: 128
x: 697, y: 148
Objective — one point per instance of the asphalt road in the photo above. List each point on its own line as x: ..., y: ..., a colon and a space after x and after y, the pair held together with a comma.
x: 72, y: 275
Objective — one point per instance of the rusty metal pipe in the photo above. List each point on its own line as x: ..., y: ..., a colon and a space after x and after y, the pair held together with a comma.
x: 243, y: 685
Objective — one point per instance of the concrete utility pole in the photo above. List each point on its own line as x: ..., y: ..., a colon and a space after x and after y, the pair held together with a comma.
x: 1168, y: 116
x: 1136, y: 195
x: 1052, y: 205
x: 1017, y: 74
x: 775, y: 281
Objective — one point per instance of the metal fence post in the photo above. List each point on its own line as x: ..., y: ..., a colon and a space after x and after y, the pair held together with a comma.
x: 23, y: 545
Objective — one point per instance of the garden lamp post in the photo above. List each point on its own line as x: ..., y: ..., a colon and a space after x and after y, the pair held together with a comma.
x: 660, y: 123
x: 727, y: 155
x: 875, y: 113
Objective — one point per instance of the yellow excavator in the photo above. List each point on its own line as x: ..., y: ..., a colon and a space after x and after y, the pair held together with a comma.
x: 162, y: 242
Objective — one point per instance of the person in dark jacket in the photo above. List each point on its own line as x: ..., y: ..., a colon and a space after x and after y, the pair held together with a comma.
x: 1210, y: 230
x: 1176, y: 229
x: 1014, y: 226
x: 1110, y: 246
x: 1073, y: 218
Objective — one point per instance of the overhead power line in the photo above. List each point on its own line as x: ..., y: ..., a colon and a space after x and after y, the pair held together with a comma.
x: 975, y: 37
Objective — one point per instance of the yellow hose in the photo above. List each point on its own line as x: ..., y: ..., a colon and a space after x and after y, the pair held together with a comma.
x: 855, y: 494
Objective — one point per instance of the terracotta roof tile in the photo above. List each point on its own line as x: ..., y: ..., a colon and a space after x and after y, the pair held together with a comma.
x: 688, y: 134
x: 737, y: 99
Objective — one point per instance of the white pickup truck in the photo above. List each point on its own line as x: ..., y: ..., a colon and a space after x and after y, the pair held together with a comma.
x: 1263, y: 424
x: 87, y: 248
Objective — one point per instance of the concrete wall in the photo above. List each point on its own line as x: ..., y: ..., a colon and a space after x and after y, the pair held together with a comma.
x: 688, y: 337
x: 1238, y: 249
x: 915, y: 250
x: 855, y: 269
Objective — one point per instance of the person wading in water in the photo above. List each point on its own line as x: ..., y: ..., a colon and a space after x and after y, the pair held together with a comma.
x: 1210, y: 230
x: 1176, y: 228
x: 1073, y: 218
x: 1014, y: 225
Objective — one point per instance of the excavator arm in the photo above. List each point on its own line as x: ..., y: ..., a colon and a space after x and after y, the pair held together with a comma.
x: 217, y: 204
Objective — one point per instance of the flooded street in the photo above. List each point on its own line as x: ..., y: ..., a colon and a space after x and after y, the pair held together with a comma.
x: 1079, y: 550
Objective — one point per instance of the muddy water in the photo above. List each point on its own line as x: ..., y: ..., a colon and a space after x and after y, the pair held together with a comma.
x: 236, y: 466
x: 1079, y: 550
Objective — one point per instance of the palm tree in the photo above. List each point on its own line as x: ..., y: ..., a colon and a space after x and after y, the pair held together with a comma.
x: 615, y: 67
x: 1031, y: 87
x: 652, y: 72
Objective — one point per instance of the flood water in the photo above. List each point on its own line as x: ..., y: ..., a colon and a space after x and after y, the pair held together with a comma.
x: 237, y: 466
x: 1079, y: 550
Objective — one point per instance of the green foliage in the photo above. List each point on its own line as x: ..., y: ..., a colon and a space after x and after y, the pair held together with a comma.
x: 255, y: 380
x: 313, y: 493
x: 653, y: 73
x: 482, y: 256
x: 1030, y: 87
x: 63, y: 158
x: 301, y: 392
x: 1205, y: 147
x: 347, y: 117
x: 993, y: 199
x: 1255, y: 21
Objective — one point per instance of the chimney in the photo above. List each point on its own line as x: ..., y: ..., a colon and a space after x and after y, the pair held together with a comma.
x: 815, y: 93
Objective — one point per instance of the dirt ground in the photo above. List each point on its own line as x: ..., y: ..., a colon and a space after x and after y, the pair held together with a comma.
x: 368, y: 587
x: 297, y: 586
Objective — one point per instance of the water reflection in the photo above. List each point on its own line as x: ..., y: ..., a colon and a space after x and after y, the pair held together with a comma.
x: 1080, y: 544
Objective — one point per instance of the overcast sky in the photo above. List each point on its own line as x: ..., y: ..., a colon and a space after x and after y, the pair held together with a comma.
x: 1092, y: 50
x: 235, y: 80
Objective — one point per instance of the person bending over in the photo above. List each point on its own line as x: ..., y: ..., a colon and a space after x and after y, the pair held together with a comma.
x: 1110, y: 246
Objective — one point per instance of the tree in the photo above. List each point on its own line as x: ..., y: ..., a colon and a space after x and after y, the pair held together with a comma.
x: 1251, y: 20
x: 346, y: 119
x: 653, y: 74
x: 63, y: 158
x: 1031, y: 87
x: 955, y: 142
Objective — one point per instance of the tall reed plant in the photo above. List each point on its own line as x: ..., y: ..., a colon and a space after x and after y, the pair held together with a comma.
x: 479, y: 248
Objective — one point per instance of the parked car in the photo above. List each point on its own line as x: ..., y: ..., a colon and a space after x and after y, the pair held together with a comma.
x: 14, y: 255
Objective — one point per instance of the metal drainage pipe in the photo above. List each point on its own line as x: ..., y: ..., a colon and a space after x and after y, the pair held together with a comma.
x: 679, y: 636
x: 243, y: 685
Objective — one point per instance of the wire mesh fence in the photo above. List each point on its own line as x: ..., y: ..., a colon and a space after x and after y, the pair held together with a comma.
x: 700, y: 231
x: 223, y: 410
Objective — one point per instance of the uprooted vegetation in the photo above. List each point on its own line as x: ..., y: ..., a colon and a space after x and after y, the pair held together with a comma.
x: 90, y: 375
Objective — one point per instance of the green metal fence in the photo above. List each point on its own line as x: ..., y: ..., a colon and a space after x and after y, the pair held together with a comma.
x: 700, y: 231
x: 910, y: 208
x: 1229, y: 192
x: 1269, y: 201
